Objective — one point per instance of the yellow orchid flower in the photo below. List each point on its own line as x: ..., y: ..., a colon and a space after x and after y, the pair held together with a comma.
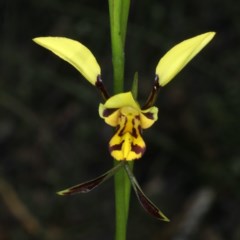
x: 121, y: 110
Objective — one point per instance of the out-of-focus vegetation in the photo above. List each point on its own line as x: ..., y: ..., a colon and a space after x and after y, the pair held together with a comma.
x: 51, y: 136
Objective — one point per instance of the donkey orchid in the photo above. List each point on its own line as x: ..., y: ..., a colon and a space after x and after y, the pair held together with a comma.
x: 121, y: 110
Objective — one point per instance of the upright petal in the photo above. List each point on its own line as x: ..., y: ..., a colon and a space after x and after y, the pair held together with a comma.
x: 74, y: 53
x: 178, y: 56
x: 88, y: 186
x: 146, y: 203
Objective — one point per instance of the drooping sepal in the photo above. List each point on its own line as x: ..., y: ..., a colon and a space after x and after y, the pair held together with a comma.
x: 86, y: 187
x: 75, y: 53
x: 178, y: 56
x: 145, y: 202
x: 148, y: 205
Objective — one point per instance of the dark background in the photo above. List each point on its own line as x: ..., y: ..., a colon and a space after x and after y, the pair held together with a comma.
x: 51, y: 136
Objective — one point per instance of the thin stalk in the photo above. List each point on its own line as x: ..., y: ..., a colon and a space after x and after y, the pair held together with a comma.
x: 118, y: 10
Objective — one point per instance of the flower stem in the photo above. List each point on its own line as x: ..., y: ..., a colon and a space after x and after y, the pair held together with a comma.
x: 118, y: 10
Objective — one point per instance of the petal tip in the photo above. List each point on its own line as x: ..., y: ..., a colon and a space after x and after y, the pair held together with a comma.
x: 164, y: 218
x: 63, y: 192
x: 40, y: 40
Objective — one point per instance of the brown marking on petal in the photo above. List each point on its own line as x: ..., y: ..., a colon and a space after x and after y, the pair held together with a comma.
x: 117, y: 128
x: 108, y: 111
x: 116, y: 147
x: 133, y: 121
x: 136, y: 129
x: 140, y: 130
x: 137, y: 117
x: 121, y: 132
x: 149, y: 115
x: 138, y: 149
x: 134, y: 132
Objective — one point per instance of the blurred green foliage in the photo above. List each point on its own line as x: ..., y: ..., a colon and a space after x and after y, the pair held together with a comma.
x: 51, y: 136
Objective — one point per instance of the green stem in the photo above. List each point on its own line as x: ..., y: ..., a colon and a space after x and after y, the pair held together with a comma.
x: 118, y: 10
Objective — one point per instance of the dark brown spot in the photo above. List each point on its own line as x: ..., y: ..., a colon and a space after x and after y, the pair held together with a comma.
x: 133, y: 121
x: 138, y: 149
x: 140, y: 130
x: 134, y: 132
x: 109, y: 111
x: 116, y: 147
x: 117, y: 128
x: 148, y: 115
x: 121, y: 132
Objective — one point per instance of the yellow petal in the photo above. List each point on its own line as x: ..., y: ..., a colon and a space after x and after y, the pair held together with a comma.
x: 148, y: 117
x: 121, y: 100
x: 74, y: 53
x: 126, y: 147
x: 110, y: 116
x: 178, y: 56
x: 127, y: 143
